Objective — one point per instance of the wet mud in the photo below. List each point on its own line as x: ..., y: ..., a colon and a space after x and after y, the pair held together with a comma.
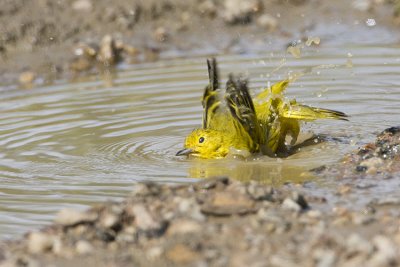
x: 43, y: 40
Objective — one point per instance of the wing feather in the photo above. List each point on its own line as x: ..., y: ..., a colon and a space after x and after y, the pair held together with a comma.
x: 241, y: 106
x: 210, y: 100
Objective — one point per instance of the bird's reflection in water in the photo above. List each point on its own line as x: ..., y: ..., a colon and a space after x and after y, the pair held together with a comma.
x: 275, y: 171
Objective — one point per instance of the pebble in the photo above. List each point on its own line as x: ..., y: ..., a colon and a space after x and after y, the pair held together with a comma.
x: 208, y: 8
x: 154, y: 252
x: 386, y: 253
x: 315, y: 214
x: 82, y: 5
x: 228, y: 203
x: 362, y: 5
x: 373, y: 162
x: 161, y: 34
x: 39, y: 242
x: 83, y: 247
x: 268, y: 22
x: 181, y: 254
x: 361, y: 219
x: 300, y: 200
x: 108, y: 54
x: 344, y: 189
x: 109, y: 220
x: 27, y: 77
x: 258, y: 192
x: 184, y: 227
x: 324, y: 257
x: 72, y: 217
x: 240, y: 11
x: 143, y: 219
x: 290, y: 204
x: 356, y: 244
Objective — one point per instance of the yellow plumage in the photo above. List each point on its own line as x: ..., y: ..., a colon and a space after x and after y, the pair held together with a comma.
x: 239, y: 122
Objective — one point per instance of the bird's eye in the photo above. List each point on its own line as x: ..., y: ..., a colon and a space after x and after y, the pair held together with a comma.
x: 201, y: 139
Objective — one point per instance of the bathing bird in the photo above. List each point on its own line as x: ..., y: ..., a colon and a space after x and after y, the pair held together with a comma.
x: 234, y: 122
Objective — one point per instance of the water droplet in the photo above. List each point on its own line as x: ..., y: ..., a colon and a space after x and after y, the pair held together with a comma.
x: 370, y: 22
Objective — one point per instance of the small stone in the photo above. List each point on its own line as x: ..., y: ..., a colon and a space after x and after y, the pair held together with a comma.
x: 228, y: 203
x: 290, y: 204
x: 68, y: 217
x: 80, y: 64
x: 83, y: 247
x: 184, y: 227
x: 324, y: 257
x: 27, y: 77
x: 108, y: 54
x: 360, y: 168
x: 58, y: 247
x: 340, y: 211
x: 268, y: 22
x: 145, y: 221
x: 143, y: 218
x: 218, y: 182
x: 146, y: 189
x: 109, y: 220
x: 240, y: 11
x: 82, y: 5
x: 300, y: 200
x: 356, y: 244
x: 208, y: 7
x: 181, y: 254
x: 259, y: 192
x: 362, y: 5
x: 361, y: 219
x: 161, y: 34
x: 386, y: 253
x: 316, y: 214
x: 154, y: 252
x: 344, y: 189
x: 373, y: 162
x: 39, y: 242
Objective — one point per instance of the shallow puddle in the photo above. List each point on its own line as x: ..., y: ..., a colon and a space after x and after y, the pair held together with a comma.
x: 75, y: 144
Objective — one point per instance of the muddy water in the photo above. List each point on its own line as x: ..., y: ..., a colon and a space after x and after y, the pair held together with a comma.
x: 75, y: 144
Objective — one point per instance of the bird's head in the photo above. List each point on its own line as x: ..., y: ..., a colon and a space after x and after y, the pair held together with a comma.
x: 205, y: 143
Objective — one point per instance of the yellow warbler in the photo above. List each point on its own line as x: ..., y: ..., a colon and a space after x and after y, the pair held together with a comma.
x: 237, y: 122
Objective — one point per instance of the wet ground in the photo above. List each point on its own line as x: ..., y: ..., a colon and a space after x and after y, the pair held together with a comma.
x: 42, y: 40
x: 98, y: 132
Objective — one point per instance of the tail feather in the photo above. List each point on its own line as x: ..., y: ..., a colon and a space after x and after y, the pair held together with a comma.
x: 307, y: 113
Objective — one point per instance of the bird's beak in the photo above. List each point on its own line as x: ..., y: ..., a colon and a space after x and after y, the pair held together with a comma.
x: 184, y: 152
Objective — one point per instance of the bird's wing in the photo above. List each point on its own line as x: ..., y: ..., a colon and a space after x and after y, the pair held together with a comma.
x: 307, y: 113
x: 210, y: 99
x: 241, y: 106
